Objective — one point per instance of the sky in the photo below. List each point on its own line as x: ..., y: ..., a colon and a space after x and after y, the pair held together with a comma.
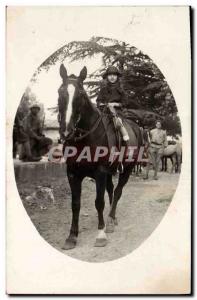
x: 136, y: 26
x: 46, y: 87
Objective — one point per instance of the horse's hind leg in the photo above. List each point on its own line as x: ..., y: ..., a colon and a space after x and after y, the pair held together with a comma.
x: 162, y: 164
x: 75, y: 185
x: 137, y: 169
x: 173, y: 161
x: 101, y: 179
x: 166, y: 164
x: 110, y: 188
x: 178, y: 159
x: 123, y: 178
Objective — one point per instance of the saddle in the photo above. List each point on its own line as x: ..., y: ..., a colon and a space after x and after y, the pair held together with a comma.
x: 113, y: 134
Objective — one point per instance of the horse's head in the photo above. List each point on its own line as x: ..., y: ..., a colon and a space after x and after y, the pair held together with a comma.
x: 73, y: 95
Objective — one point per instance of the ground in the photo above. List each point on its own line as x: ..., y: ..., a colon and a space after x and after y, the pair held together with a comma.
x: 140, y: 210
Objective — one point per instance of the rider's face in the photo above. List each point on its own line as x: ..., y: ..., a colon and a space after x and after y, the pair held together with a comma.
x: 112, y: 78
x: 158, y: 125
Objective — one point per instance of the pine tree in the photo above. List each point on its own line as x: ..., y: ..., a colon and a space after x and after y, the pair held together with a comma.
x: 143, y: 82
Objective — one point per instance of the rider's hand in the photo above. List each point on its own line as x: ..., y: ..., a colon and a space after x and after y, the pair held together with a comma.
x: 114, y: 104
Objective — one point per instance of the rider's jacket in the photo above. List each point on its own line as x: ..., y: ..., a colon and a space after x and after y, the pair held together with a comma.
x: 112, y: 92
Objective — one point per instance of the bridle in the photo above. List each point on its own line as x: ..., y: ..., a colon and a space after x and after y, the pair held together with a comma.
x: 83, y: 133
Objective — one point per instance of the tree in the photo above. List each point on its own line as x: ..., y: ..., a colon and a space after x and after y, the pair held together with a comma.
x: 143, y: 82
x: 172, y: 125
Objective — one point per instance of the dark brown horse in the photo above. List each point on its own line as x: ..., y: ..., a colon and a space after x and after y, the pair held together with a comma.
x: 81, y: 125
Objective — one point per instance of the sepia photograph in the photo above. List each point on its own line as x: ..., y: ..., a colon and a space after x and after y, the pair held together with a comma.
x: 96, y: 135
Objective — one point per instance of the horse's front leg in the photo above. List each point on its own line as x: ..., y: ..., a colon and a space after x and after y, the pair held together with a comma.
x: 162, y: 164
x: 110, y: 188
x: 112, y: 221
x: 75, y: 185
x: 100, y: 178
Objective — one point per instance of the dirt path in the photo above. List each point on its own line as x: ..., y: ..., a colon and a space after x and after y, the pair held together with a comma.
x: 140, y: 210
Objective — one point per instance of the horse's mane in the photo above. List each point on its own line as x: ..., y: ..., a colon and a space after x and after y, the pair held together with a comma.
x: 90, y: 103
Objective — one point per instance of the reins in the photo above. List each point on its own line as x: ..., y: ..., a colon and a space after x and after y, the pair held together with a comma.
x: 87, y: 133
x: 96, y: 124
x: 81, y: 137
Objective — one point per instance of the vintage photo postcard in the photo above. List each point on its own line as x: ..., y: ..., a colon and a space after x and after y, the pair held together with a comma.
x: 98, y: 150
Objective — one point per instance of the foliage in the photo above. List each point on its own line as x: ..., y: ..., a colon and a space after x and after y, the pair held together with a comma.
x: 172, y: 125
x: 143, y: 82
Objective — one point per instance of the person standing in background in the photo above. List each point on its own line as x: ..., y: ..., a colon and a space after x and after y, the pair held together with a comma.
x: 157, y: 142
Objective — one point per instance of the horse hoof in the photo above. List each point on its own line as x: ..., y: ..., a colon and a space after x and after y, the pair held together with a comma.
x: 116, y: 221
x: 100, y: 243
x: 110, y: 225
x: 69, y: 244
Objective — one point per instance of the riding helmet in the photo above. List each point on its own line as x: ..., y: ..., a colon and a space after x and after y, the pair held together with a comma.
x: 111, y: 70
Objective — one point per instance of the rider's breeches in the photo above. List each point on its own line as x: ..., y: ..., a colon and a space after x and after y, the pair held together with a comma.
x: 121, y: 128
x: 119, y: 124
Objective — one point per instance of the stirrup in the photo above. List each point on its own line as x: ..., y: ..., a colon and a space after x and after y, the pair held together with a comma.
x: 120, y: 168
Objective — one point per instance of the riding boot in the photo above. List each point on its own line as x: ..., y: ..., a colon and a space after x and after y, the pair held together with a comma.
x: 122, y: 129
x: 124, y: 134
x: 120, y: 168
x: 126, y: 145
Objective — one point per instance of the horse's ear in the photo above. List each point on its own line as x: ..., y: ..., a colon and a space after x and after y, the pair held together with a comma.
x: 63, y: 72
x: 83, y: 74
